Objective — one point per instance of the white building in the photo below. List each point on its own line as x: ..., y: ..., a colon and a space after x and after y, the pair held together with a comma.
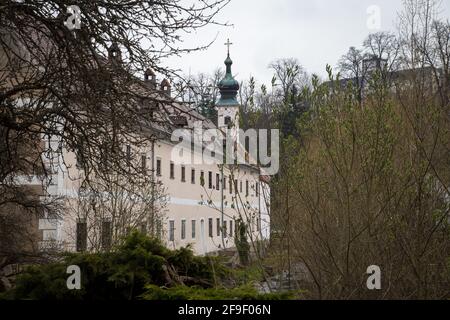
x: 204, y: 201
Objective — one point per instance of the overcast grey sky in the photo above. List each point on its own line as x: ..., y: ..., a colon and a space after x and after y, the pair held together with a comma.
x: 316, y: 32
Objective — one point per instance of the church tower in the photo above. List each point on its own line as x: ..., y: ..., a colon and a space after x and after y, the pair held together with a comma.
x: 228, y: 106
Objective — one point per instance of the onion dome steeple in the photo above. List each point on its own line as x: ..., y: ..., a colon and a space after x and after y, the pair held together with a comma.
x: 228, y: 86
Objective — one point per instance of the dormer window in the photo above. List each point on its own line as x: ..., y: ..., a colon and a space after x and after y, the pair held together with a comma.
x: 179, y: 121
x: 114, y: 53
x: 148, y: 77
x: 165, y: 86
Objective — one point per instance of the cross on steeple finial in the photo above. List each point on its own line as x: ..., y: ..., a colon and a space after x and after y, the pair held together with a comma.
x: 228, y: 44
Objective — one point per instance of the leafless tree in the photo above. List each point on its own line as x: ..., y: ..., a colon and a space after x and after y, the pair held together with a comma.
x: 370, y: 186
x: 80, y: 88
x: 351, y: 66
x: 141, y: 209
x: 200, y: 92
x: 289, y: 75
x: 425, y: 44
x: 385, y: 47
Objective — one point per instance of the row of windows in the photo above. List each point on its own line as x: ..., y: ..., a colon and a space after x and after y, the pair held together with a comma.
x: 211, y: 183
x: 227, y: 228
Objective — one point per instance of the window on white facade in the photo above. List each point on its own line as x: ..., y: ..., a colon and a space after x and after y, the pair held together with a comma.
x: 193, y: 223
x: 183, y: 229
x: 158, y: 167
x: 227, y: 121
x: 202, y: 178
x: 210, y: 182
x: 217, y: 181
x: 224, y: 228
x: 171, y: 230
x: 172, y: 170
x: 210, y: 227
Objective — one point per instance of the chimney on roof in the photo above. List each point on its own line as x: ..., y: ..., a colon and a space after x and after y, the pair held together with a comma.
x: 150, y: 77
x: 165, y: 87
x: 114, y: 54
x: 179, y: 121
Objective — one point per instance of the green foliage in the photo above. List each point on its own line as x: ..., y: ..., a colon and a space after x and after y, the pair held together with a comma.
x: 249, y: 274
x: 207, y: 108
x: 198, y: 267
x: 43, y: 283
x: 365, y: 179
x: 195, y: 293
x: 120, y: 274
x: 140, y: 268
